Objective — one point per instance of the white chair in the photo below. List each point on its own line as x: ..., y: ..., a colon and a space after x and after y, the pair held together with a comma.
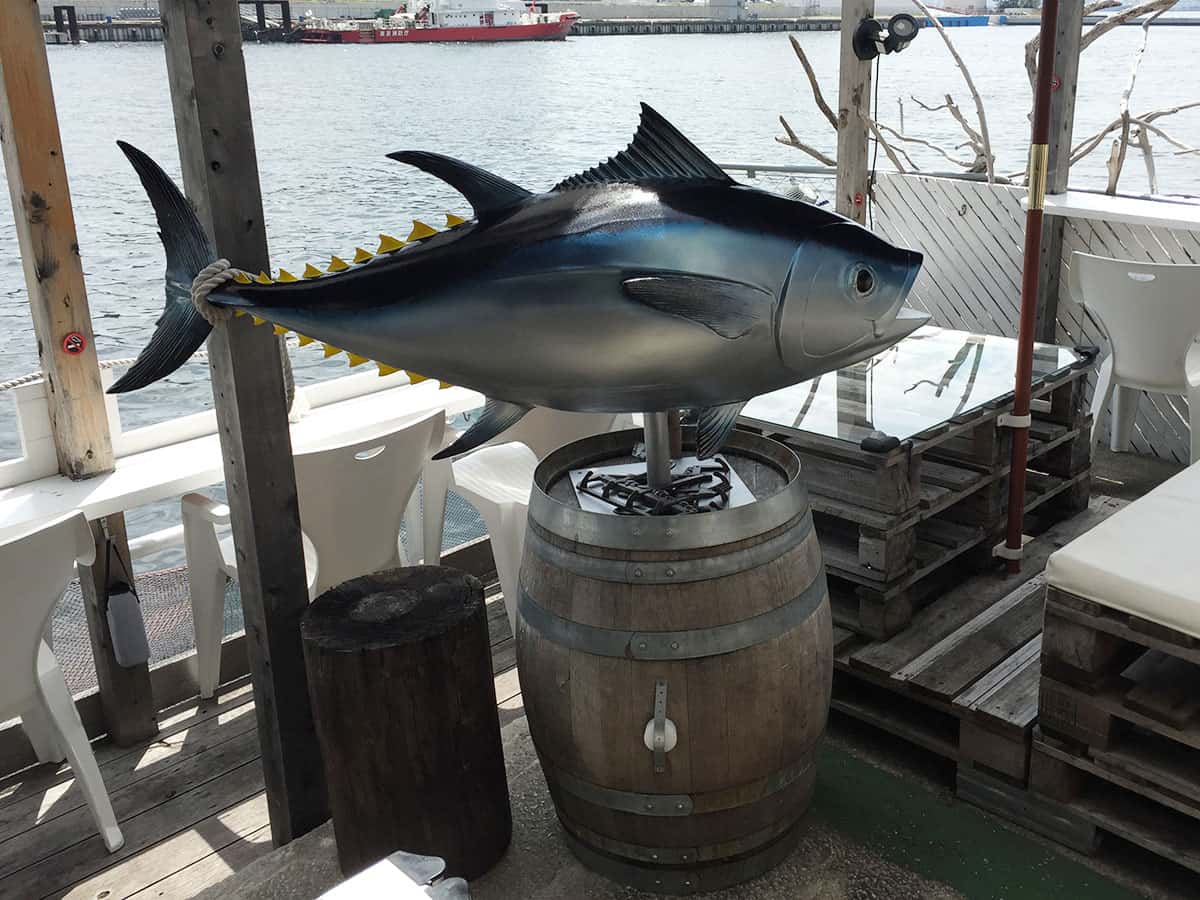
x: 36, y: 567
x: 1151, y: 314
x: 352, y: 498
x: 496, y: 480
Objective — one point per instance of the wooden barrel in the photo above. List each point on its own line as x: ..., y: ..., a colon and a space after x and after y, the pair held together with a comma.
x: 676, y: 670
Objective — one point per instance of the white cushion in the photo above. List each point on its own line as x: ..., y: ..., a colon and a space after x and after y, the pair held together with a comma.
x: 1144, y: 559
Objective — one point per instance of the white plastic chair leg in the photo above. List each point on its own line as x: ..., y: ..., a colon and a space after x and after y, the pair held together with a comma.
x: 64, y: 719
x: 1194, y: 421
x: 1125, y: 404
x: 206, y: 585
x: 435, y: 482
x: 1104, y: 390
x: 40, y: 732
x: 508, y: 541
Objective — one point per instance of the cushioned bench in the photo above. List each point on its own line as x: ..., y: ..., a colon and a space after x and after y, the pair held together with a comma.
x: 1144, y: 560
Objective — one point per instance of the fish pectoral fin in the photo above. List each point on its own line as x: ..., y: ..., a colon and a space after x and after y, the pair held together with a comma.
x: 727, y: 308
x: 487, y: 193
x: 497, y: 416
x: 658, y: 152
x: 713, y: 427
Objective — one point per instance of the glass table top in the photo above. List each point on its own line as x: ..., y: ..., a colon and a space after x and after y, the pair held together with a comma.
x: 932, y: 376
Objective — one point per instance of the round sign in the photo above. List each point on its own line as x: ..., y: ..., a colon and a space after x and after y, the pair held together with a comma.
x: 1055, y: 83
x: 74, y: 343
x: 858, y: 199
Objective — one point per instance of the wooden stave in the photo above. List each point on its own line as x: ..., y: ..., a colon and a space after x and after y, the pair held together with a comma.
x: 545, y: 668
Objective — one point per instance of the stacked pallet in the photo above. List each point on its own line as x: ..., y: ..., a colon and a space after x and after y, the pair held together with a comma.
x: 897, y: 525
x: 1118, y: 749
x: 962, y: 680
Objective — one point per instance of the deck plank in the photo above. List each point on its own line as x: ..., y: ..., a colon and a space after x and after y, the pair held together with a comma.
x: 208, y: 870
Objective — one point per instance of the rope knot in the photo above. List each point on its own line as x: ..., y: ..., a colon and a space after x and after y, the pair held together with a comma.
x: 206, y: 281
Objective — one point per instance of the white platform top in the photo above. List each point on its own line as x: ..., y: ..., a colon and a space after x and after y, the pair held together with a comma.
x: 1131, y: 210
x: 1143, y: 559
x: 169, y: 471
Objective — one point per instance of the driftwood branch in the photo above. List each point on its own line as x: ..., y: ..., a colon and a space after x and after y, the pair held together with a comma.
x: 966, y: 164
x: 926, y: 106
x: 893, y: 153
x: 1097, y: 31
x: 818, y: 97
x: 1117, y: 161
x: 1143, y: 141
x: 1088, y: 145
x: 793, y: 141
x: 979, y: 112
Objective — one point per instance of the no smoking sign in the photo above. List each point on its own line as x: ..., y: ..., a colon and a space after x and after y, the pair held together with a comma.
x: 74, y: 343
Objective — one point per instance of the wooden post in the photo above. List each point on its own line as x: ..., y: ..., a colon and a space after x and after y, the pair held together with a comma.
x: 37, y: 180
x: 1062, y: 127
x: 41, y: 199
x: 207, y: 76
x: 854, y: 97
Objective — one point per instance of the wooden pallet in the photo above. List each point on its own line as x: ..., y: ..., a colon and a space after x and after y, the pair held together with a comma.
x: 890, y: 523
x: 962, y: 679
x: 1119, y: 741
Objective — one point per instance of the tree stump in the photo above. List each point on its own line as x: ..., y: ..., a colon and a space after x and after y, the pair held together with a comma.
x: 400, y: 676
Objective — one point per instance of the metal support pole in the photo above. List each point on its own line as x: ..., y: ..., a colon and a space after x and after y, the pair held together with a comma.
x: 657, y: 429
x: 1038, y: 152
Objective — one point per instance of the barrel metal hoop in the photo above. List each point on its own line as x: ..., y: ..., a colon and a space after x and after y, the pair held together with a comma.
x: 680, y: 571
x: 666, y: 645
x: 675, y: 805
x: 674, y: 856
x: 665, y: 533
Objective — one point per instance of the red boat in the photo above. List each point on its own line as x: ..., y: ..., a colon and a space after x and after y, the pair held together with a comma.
x: 456, y: 20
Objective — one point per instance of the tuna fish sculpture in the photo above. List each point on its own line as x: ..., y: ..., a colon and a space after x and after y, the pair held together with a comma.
x: 650, y: 282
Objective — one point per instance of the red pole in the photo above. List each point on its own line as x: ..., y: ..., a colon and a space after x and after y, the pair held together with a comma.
x: 1038, y: 158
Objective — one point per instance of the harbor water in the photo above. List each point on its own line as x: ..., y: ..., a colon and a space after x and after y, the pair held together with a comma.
x: 325, y: 116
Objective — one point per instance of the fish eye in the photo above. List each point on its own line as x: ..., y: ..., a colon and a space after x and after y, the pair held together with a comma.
x: 863, y: 281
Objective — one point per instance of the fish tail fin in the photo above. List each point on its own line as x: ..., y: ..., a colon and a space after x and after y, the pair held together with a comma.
x: 181, y: 329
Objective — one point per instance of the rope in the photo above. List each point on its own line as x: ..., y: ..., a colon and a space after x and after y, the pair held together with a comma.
x: 206, y: 281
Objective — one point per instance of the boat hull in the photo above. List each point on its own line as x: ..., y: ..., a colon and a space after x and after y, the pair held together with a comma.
x: 538, y: 31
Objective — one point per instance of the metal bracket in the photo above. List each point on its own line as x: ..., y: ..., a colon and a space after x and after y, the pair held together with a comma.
x: 1003, y: 551
x: 1008, y: 420
x: 660, y: 726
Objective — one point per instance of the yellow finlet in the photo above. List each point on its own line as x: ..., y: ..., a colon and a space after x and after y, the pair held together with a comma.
x: 420, y: 231
x: 285, y: 277
x: 361, y: 255
x: 442, y: 385
x: 452, y: 220
x: 240, y: 312
x: 241, y: 277
x: 356, y: 360
x: 263, y: 278
x: 311, y: 271
x: 389, y: 244
x: 417, y: 379
x: 279, y: 330
x: 385, y: 369
x: 337, y: 264
x: 258, y: 320
x: 330, y: 350
x: 305, y: 340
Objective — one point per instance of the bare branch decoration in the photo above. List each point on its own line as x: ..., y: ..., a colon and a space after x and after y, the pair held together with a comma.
x: 1117, y: 161
x: 793, y: 141
x: 982, y: 116
x: 818, y: 97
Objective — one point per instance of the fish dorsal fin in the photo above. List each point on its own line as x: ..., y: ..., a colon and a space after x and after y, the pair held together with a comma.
x: 658, y: 152
x: 487, y: 193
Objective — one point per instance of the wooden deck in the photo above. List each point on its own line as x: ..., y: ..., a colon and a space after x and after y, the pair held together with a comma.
x: 190, y: 803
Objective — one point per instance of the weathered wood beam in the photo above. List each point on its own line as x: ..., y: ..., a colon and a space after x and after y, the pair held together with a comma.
x: 1062, y: 127
x: 41, y: 199
x: 37, y: 180
x: 854, y: 105
x: 207, y: 77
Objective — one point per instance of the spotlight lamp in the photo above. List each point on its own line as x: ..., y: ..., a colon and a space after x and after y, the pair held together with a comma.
x: 871, y: 37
